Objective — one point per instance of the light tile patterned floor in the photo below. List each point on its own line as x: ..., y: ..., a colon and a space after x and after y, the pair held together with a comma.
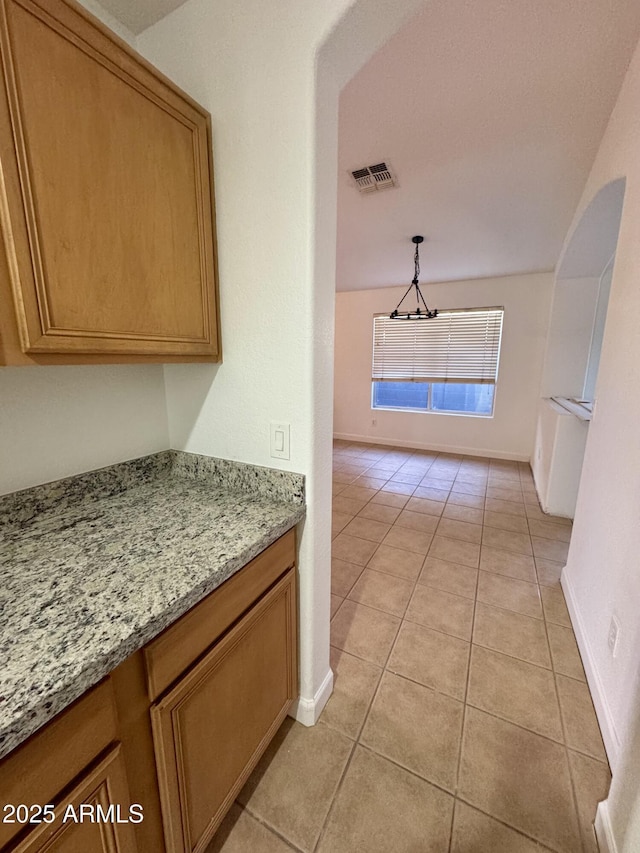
x: 461, y: 721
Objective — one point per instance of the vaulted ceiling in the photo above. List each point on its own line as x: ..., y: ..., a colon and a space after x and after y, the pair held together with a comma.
x: 490, y: 114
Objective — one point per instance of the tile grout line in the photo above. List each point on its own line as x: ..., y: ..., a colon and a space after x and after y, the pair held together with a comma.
x: 544, y: 848
x: 447, y: 791
x: 555, y: 686
x: 574, y: 794
x: 336, y: 792
x: 385, y: 669
x: 514, y: 578
x: 357, y: 742
x: 507, y: 483
x: 268, y: 827
x: 465, y: 705
x: 392, y: 645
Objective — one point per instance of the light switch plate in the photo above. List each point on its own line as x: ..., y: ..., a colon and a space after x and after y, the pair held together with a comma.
x: 280, y: 442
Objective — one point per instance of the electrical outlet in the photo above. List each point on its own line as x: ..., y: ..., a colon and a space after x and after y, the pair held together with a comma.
x: 613, y: 637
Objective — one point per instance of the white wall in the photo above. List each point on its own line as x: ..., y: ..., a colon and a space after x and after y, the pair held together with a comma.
x: 271, y: 75
x: 271, y: 79
x: 60, y: 421
x: 599, y: 322
x: 602, y: 576
x: 558, y: 458
x: 569, y: 340
x: 107, y: 18
x: 510, y: 432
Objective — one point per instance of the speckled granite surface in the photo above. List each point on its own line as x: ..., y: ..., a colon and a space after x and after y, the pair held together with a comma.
x: 94, y: 567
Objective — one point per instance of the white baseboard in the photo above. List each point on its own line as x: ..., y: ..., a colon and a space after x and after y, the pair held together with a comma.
x: 604, y: 830
x: 603, y: 710
x: 307, y: 711
x: 437, y: 448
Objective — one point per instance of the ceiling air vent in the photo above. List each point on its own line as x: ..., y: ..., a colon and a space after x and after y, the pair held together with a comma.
x: 372, y: 178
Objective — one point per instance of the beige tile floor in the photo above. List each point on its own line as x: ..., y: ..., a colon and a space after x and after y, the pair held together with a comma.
x: 461, y: 721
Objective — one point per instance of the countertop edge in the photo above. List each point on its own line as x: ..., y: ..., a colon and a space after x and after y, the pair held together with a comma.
x: 33, y: 718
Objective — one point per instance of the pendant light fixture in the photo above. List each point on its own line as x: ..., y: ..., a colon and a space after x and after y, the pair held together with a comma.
x: 419, y: 313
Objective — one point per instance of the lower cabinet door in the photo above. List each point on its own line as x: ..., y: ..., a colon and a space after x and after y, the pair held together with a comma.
x: 93, y: 818
x: 212, y: 727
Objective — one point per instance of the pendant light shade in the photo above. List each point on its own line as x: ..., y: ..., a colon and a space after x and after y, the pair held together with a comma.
x: 421, y: 313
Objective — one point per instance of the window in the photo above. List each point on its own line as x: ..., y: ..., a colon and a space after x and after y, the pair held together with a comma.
x: 448, y: 364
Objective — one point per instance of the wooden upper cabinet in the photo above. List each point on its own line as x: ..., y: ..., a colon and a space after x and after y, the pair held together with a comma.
x: 106, y: 196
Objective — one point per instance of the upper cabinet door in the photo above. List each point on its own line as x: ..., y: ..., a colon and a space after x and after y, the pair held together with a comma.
x: 106, y: 196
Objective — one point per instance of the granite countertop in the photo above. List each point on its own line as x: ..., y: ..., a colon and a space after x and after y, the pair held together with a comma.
x: 94, y: 567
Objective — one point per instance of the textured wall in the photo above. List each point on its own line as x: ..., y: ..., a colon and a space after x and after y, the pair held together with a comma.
x: 510, y: 432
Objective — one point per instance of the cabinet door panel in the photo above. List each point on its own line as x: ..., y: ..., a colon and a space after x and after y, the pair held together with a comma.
x: 107, y: 205
x: 103, y: 786
x: 55, y: 755
x: 212, y: 728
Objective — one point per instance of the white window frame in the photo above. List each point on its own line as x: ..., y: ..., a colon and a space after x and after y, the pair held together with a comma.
x: 460, y: 346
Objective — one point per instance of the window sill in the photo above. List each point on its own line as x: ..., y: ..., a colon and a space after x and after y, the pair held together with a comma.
x: 431, y: 412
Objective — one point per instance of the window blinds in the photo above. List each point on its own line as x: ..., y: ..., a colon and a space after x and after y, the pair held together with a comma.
x: 459, y: 345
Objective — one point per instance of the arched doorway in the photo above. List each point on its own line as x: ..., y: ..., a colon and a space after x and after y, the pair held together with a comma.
x: 576, y: 331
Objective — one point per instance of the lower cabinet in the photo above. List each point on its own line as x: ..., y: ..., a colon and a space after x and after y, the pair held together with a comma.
x: 93, y: 818
x: 153, y: 757
x: 210, y: 730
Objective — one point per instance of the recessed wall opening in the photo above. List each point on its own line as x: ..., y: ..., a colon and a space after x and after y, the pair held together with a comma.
x: 576, y: 335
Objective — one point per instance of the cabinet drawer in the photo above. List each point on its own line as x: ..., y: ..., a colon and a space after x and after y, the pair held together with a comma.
x: 170, y: 654
x: 104, y: 786
x: 210, y: 730
x: 50, y: 760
